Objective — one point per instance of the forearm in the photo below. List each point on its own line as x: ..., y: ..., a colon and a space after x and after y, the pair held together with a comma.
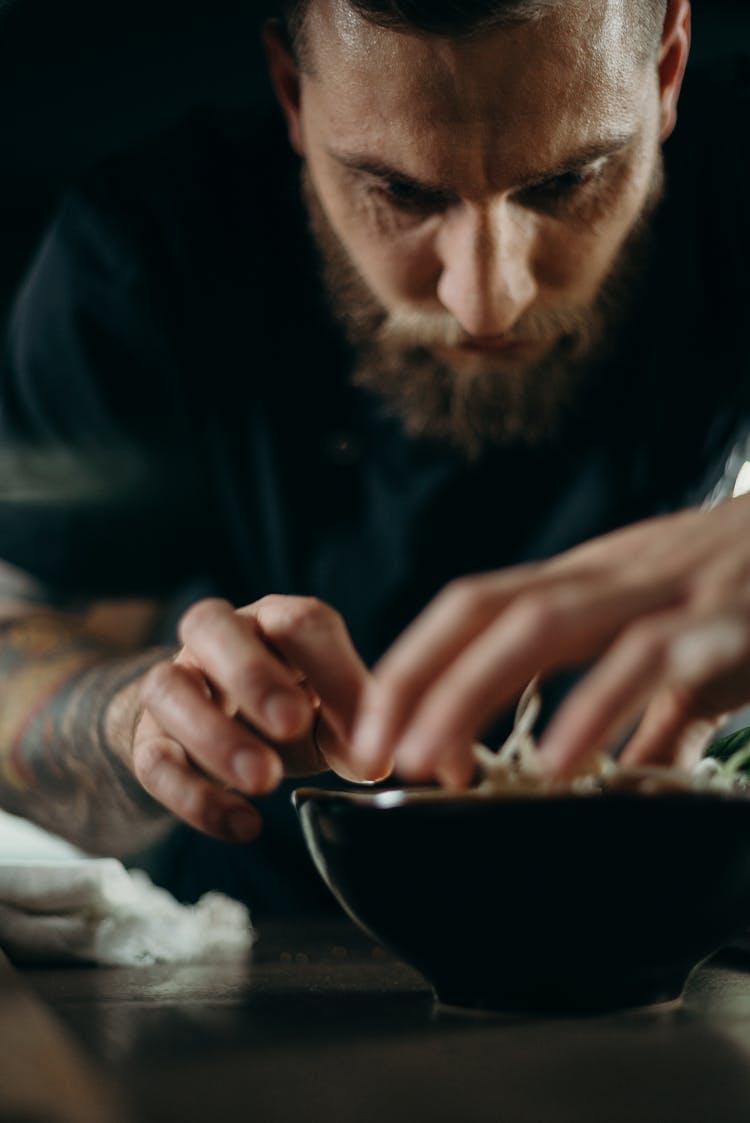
x: 68, y: 707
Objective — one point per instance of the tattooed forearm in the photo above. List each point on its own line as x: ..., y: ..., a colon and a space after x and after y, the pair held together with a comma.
x: 68, y: 707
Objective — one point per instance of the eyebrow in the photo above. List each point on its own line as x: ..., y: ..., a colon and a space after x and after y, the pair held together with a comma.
x: 589, y: 154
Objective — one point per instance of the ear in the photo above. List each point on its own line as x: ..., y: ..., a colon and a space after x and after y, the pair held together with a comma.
x: 285, y: 79
x: 673, y: 56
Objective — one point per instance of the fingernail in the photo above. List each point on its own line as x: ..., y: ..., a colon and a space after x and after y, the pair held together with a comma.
x: 256, y: 773
x: 285, y: 714
x: 242, y: 826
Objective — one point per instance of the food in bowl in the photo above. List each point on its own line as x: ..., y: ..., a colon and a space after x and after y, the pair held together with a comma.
x: 515, y: 767
x: 515, y: 895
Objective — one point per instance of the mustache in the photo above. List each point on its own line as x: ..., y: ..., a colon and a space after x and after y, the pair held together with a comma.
x: 421, y: 328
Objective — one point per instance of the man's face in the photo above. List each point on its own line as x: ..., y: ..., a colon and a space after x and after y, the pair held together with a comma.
x: 476, y: 200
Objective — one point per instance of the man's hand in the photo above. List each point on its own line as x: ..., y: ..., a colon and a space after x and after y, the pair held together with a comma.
x: 254, y: 693
x: 659, y: 611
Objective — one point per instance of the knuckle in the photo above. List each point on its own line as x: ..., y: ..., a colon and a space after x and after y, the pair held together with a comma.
x: 271, y: 602
x: 245, y: 672
x: 158, y: 683
x: 310, y: 614
x: 645, y: 640
x: 148, y: 759
x: 248, y: 680
x: 190, y: 799
x: 266, y: 608
x: 315, y: 612
x: 197, y: 807
x: 537, y: 615
x: 466, y: 598
x: 291, y: 616
x: 202, y: 615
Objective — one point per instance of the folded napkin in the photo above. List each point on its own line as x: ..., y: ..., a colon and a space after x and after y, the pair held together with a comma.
x: 57, y: 904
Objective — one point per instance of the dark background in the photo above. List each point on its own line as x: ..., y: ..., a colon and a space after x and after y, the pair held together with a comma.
x: 80, y: 78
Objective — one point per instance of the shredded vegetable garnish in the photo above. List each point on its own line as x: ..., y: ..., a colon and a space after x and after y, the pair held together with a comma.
x: 519, y: 755
x: 515, y: 766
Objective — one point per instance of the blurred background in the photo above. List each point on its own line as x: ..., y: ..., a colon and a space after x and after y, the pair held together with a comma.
x: 82, y: 78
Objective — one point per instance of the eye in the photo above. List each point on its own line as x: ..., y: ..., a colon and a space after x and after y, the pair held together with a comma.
x: 560, y: 190
x: 570, y: 181
x: 408, y: 197
x: 560, y: 185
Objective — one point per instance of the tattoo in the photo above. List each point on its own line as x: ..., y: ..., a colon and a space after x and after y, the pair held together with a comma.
x: 68, y: 709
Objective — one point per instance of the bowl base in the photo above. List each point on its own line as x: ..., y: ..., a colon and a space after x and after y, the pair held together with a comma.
x: 666, y: 1006
x: 554, y: 1001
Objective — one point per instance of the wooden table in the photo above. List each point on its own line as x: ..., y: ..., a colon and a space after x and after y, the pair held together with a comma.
x: 321, y: 1025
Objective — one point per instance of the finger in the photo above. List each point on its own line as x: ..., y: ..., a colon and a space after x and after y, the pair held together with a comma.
x: 661, y: 653
x: 710, y: 648
x: 456, y: 769
x: 562, y: 625
x: 218, y: 744
x: 313, y: 637
x: 456, y: 617
x: 163, y: 769
x: 459, y: 614
x: 337, y: 754
x: 668, y: 735
x: 229, y: 649
x: 709, y: 662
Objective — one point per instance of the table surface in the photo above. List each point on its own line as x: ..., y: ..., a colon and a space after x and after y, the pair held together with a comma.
x: 321, y: 1023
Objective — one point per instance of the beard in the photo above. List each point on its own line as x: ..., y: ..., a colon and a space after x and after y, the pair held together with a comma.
x: 485, y: 400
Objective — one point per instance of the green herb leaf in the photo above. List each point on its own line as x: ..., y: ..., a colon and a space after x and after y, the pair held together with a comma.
x: 728, y: 747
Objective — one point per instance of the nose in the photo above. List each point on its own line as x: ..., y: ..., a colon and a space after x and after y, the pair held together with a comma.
x: 486, y: 281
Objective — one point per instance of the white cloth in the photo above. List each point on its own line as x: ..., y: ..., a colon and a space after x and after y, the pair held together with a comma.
x: 57, y: 904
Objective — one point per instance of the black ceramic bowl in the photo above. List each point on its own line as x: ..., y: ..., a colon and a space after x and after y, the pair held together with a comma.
x: 563, y: 902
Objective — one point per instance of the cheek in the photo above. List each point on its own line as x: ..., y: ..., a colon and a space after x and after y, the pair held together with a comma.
x: 572, y: 262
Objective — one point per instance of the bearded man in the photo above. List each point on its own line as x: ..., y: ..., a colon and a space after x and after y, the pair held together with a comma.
x: 409, y: 411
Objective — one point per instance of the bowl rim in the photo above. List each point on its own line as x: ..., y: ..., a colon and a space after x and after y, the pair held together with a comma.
x: 390, y: 798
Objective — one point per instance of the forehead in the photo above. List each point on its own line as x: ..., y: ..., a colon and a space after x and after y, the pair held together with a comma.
x: 512, y: 95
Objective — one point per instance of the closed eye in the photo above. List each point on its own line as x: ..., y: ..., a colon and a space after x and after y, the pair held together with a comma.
x: 560, y: 185
x: 561, y: 190
x: 409, y: 197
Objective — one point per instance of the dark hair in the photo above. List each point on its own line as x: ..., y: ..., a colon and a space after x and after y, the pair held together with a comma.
x: 462, y: 18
